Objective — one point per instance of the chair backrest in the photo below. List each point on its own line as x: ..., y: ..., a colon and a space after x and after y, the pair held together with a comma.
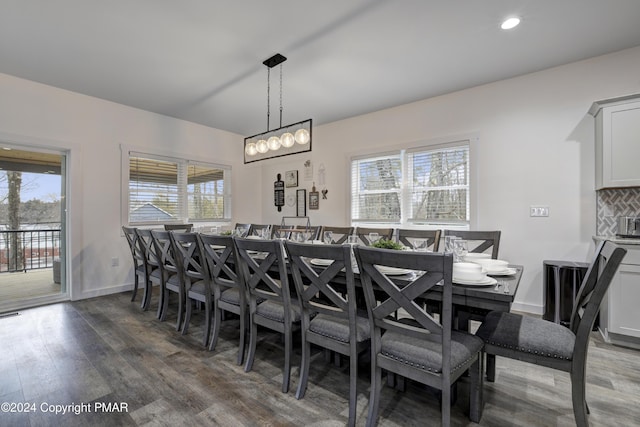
x: 164, y: 250
x: 221, y: 256
x: 185, y: 228
x: 383, y: 297
x: 145, y: 240
x: 479, y: 241
x: 407, y: 237
x: 313, y: 230
x: 339, y: 234
x: 363, y: 234
x: 600, y: 273
x: 256, y: 229
x: 264, y: 271
x: 188, y: 253
x: 316, y: 287
x: 279, y: 231
x: 134, y: 246
x: 241, y: 229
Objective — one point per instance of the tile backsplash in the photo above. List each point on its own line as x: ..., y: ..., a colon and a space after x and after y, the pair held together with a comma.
x: 613, y: 203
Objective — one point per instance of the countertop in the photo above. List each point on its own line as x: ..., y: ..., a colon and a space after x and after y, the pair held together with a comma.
x: 617, y: 240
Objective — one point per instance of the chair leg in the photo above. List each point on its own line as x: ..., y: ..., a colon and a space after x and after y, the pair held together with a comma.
x: 445, y: 405
x: 353, y: 390
x: 161, y: 300
x: 374, y: 394
x: 243, y: 337
x: 252, y: 345
x: 146, y: 296
x: 181, y: 299
x: 476, y: 403
x: 216, y: 327
x: 578, y: 397
x: 491, y: 367
x: 304, y: 367
x: 207, y: 323
x: 187, y: 316
x: 135, y: 287
x: 286, y: 374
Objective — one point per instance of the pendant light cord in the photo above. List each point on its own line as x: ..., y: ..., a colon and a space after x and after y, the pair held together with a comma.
x: 268, y: 96
x: 280, y: 95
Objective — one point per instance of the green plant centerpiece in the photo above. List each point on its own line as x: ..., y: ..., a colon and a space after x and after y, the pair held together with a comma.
x: 226, y: 233
x: 387, y: 244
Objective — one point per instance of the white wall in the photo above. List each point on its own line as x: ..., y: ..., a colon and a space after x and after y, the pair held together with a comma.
x: 535, y: 147
x: 92, y: 131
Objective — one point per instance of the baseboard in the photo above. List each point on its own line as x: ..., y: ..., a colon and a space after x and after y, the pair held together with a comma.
x: 104, y: 291
x: 528, y: 308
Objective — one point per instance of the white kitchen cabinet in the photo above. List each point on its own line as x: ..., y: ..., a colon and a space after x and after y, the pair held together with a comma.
x: 617, y: 142
x: 619, y: 314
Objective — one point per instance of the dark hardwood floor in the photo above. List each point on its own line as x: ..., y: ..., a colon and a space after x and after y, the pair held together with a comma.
x: 88, y: 354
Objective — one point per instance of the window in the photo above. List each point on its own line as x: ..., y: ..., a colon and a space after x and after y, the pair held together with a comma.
x: 165, y: 189
x: 418, y: 185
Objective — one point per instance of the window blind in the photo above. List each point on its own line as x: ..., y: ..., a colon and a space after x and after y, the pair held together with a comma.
x: 438, y: 184
x: 163, y: 189
x: 376, y: 184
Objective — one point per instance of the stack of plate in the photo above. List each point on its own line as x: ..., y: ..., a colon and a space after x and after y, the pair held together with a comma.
x: 471, y: 273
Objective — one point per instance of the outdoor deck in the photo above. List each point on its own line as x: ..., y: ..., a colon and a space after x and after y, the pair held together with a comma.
x: 33, y: 283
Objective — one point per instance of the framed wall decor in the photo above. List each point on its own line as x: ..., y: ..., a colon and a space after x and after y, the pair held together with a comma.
x: 291, y: 179
x: 301, y: 200
x: 314, y: 198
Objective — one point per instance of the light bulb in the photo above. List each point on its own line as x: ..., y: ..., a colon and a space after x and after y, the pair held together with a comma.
x: 302, y: 136
x: 262, y: 146
x: 287, y: 140
x: 510, y: 23
x: 273, y: 143
x: 251, y: 149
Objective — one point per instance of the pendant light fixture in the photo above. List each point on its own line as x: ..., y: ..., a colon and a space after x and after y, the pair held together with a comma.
x: 283, y: 141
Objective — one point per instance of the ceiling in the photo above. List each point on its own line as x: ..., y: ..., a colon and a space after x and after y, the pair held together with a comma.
x: 201, y: 60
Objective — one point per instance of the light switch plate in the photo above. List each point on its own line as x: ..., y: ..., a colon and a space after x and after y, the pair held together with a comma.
x: 539, y: 211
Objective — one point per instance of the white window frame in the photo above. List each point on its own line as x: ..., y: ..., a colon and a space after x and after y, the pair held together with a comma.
x: 405, y: 193
x: 183, y: 162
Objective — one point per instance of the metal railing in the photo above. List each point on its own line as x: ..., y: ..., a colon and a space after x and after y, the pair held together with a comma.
x: 23, y: 250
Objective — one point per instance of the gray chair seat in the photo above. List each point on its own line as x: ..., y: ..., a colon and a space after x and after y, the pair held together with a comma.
x: 338, y: 329
x: 198, y: 287
x: 275, y: 311
x: 231, y: 296
x: 426, y: 354
x: 528, y: 335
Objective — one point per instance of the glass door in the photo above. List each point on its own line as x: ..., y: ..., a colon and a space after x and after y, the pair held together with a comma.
x: 32, y: 227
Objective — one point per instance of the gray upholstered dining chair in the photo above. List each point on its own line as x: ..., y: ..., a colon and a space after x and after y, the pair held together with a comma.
x: 256, y: 229
x: 329, y: 316
x: 312, y: 230
x: 174, y: 278
x: 338, y: 234
x: 196, y: 278
x: 408, y: 236
x: 140, y: 268
x: 550, y: 344
x: 478, y: 241
x: 418, y: 346
x: 363, y: 234
x: 264, y: 271
x: 229, y: 293
x: 155, y: 271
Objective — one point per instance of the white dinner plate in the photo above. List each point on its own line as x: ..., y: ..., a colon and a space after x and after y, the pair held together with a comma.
x: 321, y: 262
x: 483, y: 282
x: 505, y: 272
x: 392, y: 271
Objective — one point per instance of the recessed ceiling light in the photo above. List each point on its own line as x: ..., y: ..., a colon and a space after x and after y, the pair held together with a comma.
x: 510, y: 23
